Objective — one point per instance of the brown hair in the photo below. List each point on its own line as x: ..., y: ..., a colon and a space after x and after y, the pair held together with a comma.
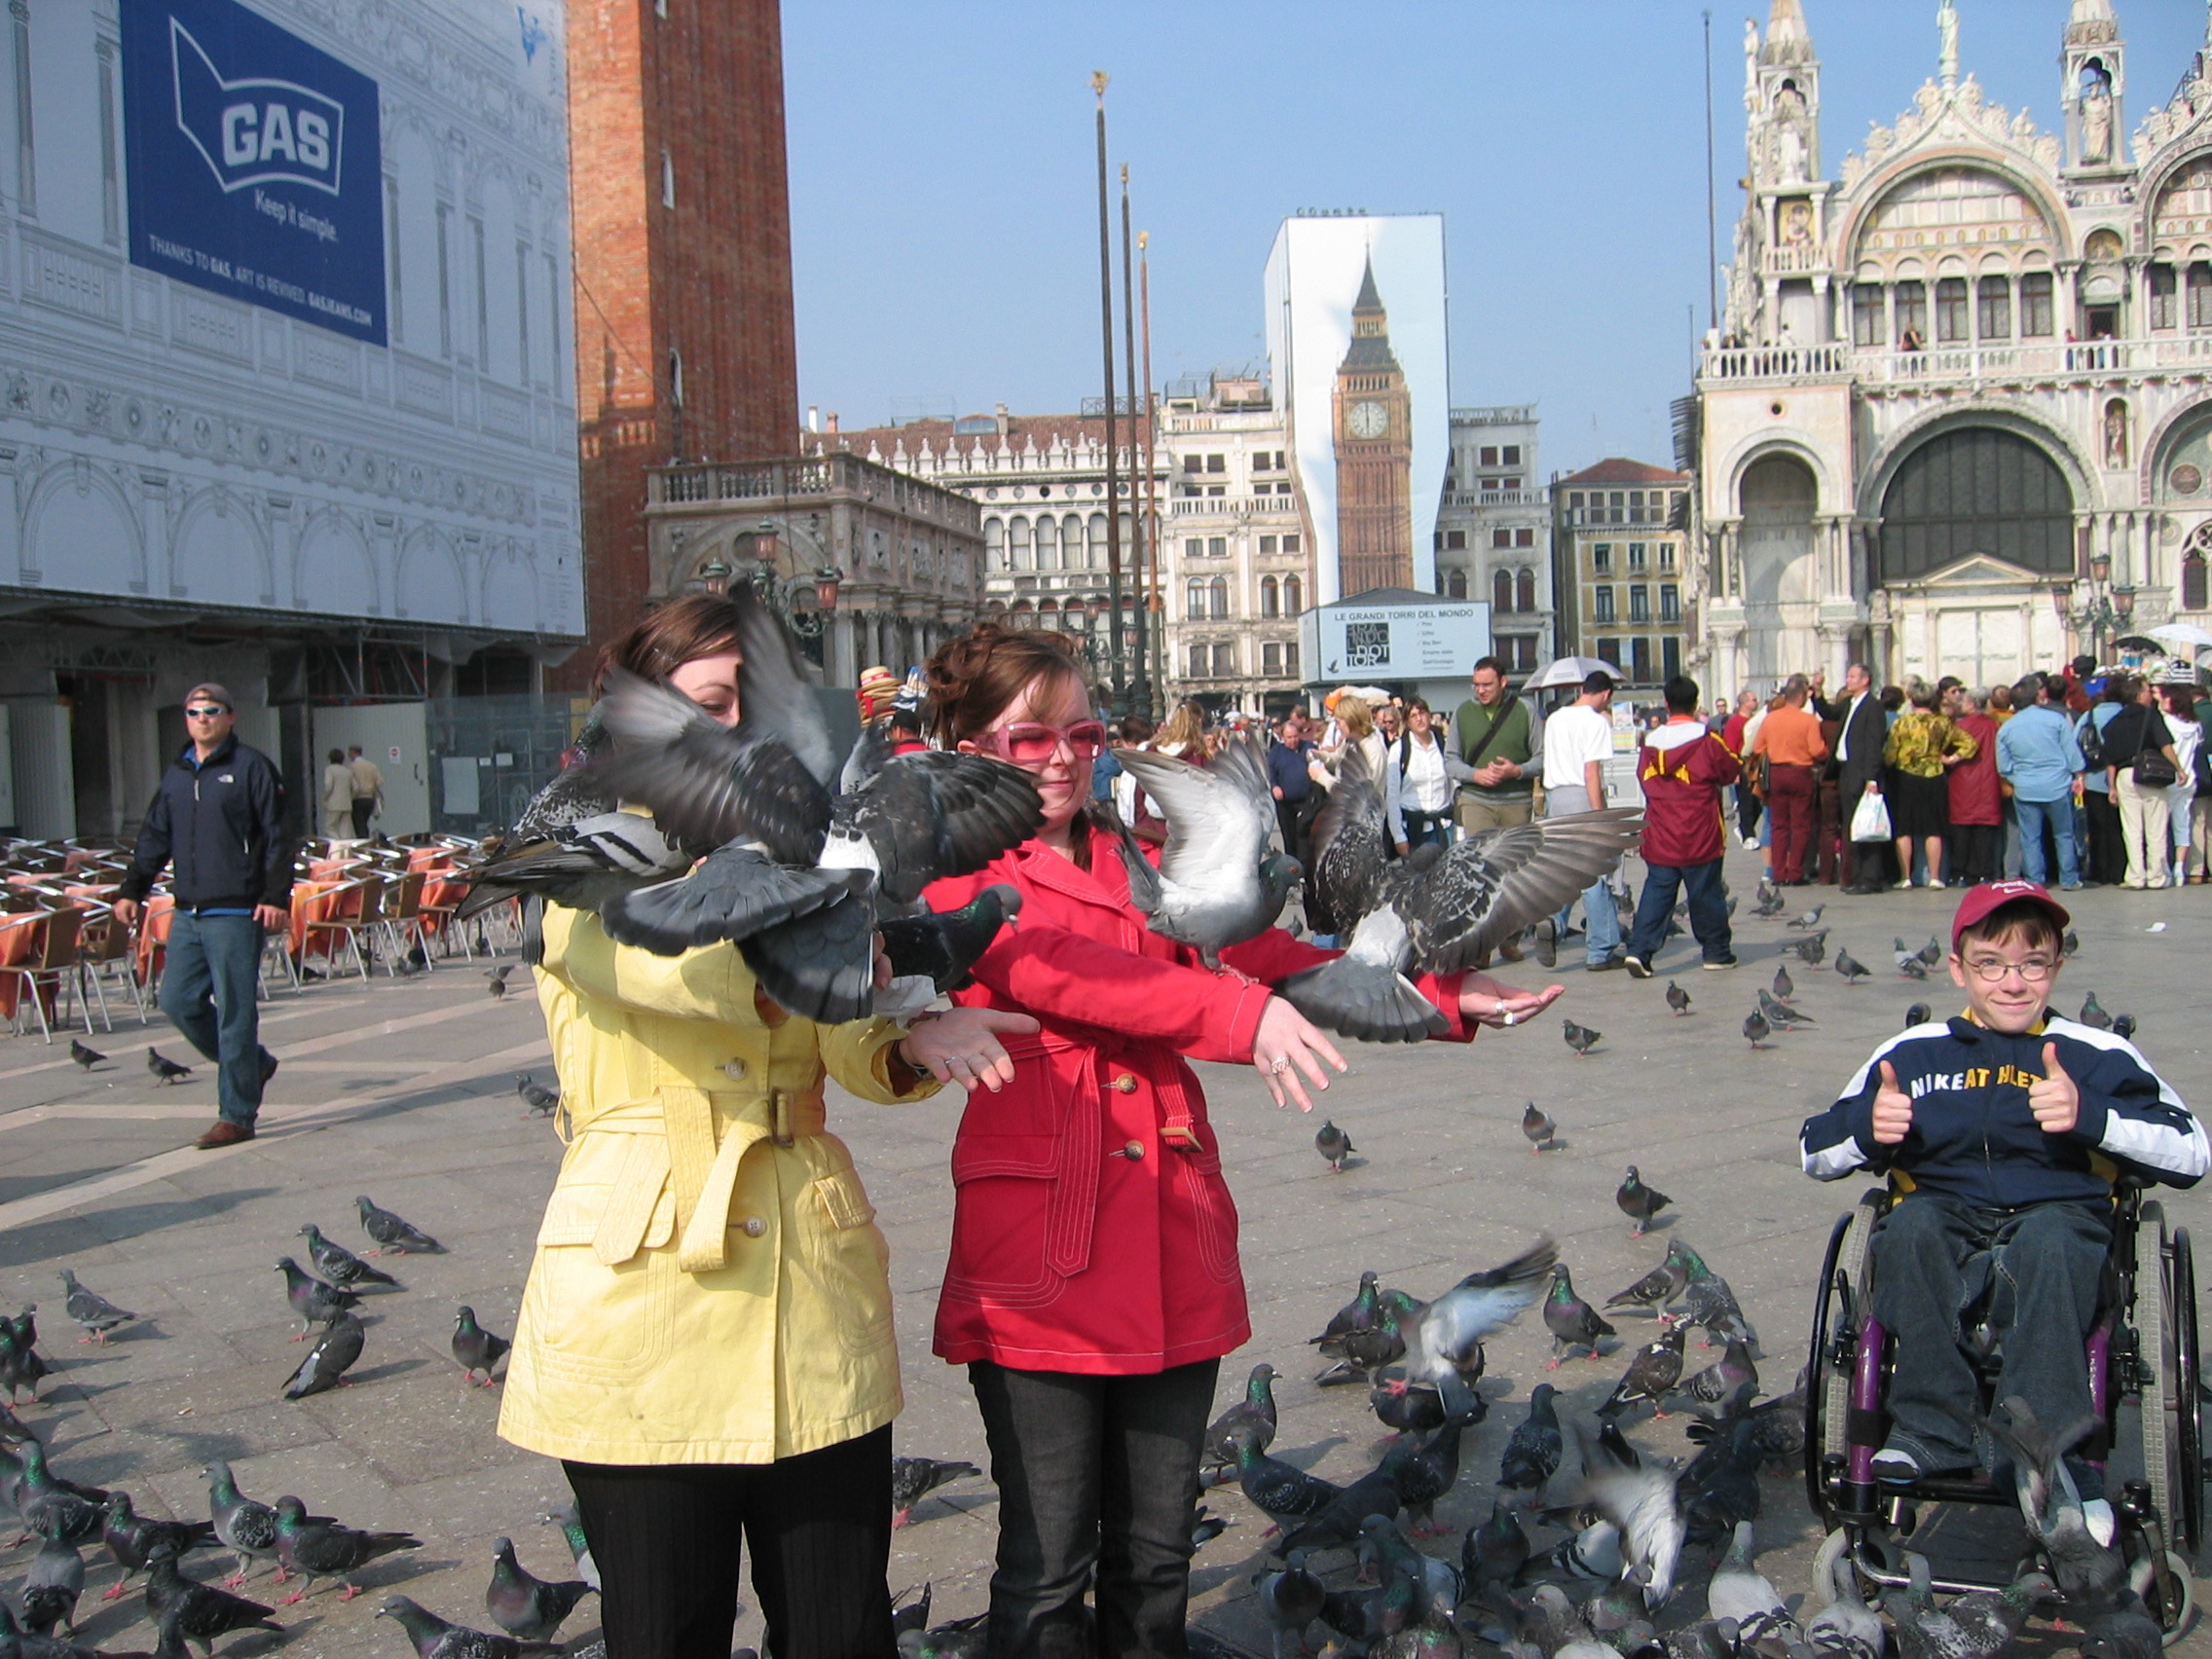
x: 975, y: 677
x: 1355, y: 715
x: 2022, y: 919
x: 661, y: 641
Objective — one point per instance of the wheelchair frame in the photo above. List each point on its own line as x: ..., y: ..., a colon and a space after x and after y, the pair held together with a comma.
x: 2144, y: 1348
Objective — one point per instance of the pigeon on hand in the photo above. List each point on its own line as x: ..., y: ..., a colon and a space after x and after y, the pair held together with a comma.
x: 1451, y: 1330
x: 85, y: 1057
x: 1333, y: 1144
x: 1290, y: 1601
x: 1639, y: 1499
x: 339, y: 1265
x: 326, y: 1363
x: 165, y: 1070
x: 475, y: 1348
x: 1739, y: 1591
x: 1638, y: 1202
x: 1677, y: 999
x: 1810, y: 919
x: 495, y: 981
x: 437, y: 1638
x: 1650, y: 1375
x: 201, y: 1612
x: 914, y: 1479
x: 2124, y: 1027
x: 1540, y: 1128
x: 51, y: 1587
x: 1755, y: 1029
x: 1532, y: 1451
x: 1255, y: 1412
x: 571, y: 1525
x: 1919, y: 1013
x: 95, y: 1312
x: 1849, y: 968
x: 323, y: 1549
x: 314, y: 1302
x: 1223, y: 877
x: 1438, y: 910
x: 1784, y: 987
x: 1656, y: 1288
x: 1580, y: 1038
x: 394, y: 1235
x: 1573, y: 1322
x: 536, y: 1095
x: 529, y: 1606
x: 130, y: 1539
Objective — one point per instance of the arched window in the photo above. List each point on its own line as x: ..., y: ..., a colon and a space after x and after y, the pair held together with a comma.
x: 1201, y: 662
x: 2193, y: 586
x: 1501, y: 590
x: 1024, y: 616
x: 994, y: 544
x: 1977, y: 490
x: 1072, y: 554
x: 1195, y: 599
x: 1271, y: 597
x: 1292, y: 603
x: 1098, y: 541
x: 1456, y: 585
x: 1017, y: 537
x: 1218, y: 590
x: 1048, y: 614
x: 1048, y: 543
x: 1525, y: 591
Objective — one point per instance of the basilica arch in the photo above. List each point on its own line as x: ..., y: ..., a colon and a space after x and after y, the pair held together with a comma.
x: 1778, y: 497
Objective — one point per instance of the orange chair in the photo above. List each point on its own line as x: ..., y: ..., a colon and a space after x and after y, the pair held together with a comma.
x: 345, y: 912
x: 47, y: 971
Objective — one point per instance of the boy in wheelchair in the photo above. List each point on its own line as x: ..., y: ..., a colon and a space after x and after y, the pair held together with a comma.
x: 2002, y: 1132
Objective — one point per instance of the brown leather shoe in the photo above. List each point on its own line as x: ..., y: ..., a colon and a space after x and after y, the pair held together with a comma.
x: 224, y: 1133
x: 1509, y: 950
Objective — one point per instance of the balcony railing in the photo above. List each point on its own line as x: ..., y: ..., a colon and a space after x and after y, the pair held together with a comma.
x: 1945, y: 364
x: 1496, y: 414
x: 710, y: 483
x: 1496, y: 498
x: 1798, y: 260
x: 1778, y: 362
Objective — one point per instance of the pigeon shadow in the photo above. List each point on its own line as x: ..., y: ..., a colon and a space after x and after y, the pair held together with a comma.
x: 1306, y: 1457
x: 378, y: 1372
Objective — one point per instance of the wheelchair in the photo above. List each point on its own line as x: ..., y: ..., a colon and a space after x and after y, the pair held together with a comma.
x: 2143, y: 1351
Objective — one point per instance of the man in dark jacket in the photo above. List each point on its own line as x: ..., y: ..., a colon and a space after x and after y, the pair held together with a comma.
x: 1999, y: 1130
x: 217, y: 822
x: 1682, y: 768
x: 1856, y: 764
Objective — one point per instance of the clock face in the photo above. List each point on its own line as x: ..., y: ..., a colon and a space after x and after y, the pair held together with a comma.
x: 1368, y: 421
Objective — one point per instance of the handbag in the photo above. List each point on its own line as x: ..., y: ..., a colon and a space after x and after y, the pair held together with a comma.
x: 2154, y: 771
x: 1870, y: 818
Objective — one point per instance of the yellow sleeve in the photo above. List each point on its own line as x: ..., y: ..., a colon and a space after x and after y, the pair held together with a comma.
x: 709, y: 982
x: 858, y: 1054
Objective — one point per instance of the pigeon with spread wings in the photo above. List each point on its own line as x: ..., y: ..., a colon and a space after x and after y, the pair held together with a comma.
x: 1436, y: 912
x: 1223, y: 877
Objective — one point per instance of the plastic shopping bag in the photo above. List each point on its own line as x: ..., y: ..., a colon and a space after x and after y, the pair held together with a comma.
x: 1871, y: 821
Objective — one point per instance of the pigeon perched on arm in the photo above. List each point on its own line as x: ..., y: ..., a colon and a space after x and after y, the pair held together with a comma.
x: 339, y: 1265
x: 474, y: 1349
x: 323, y: 1549
x: 314, y: 1302
x: 1573, y: 1322
x: 394, y: 1235
x: 1223, y: 877
x: 528, y: 1607
x: 95, y: 1312
x: 326, y: 1363
x: 1638, y: 1202
x: 914, y: 1479
x: 436, y: 1638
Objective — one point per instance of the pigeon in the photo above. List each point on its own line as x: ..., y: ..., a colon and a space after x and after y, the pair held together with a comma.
x: 1573, y: 1322
x: 914, y: 1479
x: 314, y: 1302
x: 910, y: 1615
x: 84, y: 1056
x: 1721, y: 1379
x: 2124, y: 1028
x: 130, y: 1539
x: 1255, y: 1412
x: 1912, y: 968
x: 54, y: 1507
x: 1932, y: 953
x: 1739, y: 1591
x: 572, y: 1526
x: 1592, y: 1555
x: 1284, y: 1492
x: 1290, y: 1601
x: 582, y: 861
x: 200, y: 1611
x: 956, y: 1639
x: 1428, y: 1475
x: 536, y: 1095
x: 943, y: 946
x: 2126, y: 1632
x: 339, y: 1265
x: 1809, y: 920
x: 326, y: 1550
x: 2088, y: 1573
x: 1451, y: 1329
x: 246, y: 1527
x: 1849, y: 968
x: 165, y: 1070
x: 1532, y: 1451
x: 531, y: 1607
x: 1337, y: 1522
x: 1846, y: 1627
x: 495, y: 981
x: 1755, y: 1029
x: 1580, y: 1038
x: 1650, y: 1375
x: 326, y: 1363
x: 1223, y: 877
x: 1656, y: 1288
x: 1492, y: 1555
x: 1638, y: 1202
x: 1541, y: 1129
x: 393, y: 1235
x: 1639, y: 1498
x: 1364, y: 1311
x: 51, y: 1587
x: 1924, y: 1631
x: 1777, y: 1425
x: 1784, y: 987
x: 21, y: 1366
x: 1677, y: 999
x: 1993, y: 1619
x: 1900, y: 954
x: 1438, y: 910
x: 474, y: 1349
x: 1205, y: 1527
x: 1706, y: 1299
x: 435, y: 1638
x: 1720, y: 1489
x: 1919, y: 1013
x: 1401, y: 1406
x: 95, y: 1312
x: 1779, y: 1015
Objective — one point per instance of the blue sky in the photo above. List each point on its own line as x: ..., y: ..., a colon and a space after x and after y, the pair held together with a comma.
x: 943, y: 178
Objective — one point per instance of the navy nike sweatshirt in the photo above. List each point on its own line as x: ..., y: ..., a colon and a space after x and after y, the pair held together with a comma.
x: 1972, y: 1136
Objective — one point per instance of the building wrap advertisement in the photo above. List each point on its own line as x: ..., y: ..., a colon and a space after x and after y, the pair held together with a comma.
x: 254, y: 164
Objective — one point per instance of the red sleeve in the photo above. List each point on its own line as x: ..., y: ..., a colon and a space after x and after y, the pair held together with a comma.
x: 1061, y: 975
x: 1716, y: 763
x: 1274, y: 956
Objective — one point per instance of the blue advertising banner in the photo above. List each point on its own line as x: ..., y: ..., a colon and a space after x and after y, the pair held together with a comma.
x: 255, y: 163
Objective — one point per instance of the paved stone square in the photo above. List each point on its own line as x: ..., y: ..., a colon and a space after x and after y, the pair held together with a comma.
x: 404, y: 1089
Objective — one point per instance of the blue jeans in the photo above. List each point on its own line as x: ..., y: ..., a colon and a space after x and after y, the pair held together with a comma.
x: 2059, y: 814
x: 1708, y: 912
x: 1600, y: 921
x: 2038, y: 1267
x: 211, y: 990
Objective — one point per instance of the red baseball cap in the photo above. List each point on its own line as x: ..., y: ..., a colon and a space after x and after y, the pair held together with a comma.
x: 1980, y: 901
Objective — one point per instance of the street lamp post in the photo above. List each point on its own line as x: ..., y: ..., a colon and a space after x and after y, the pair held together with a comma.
x: 803, y: 603
x: 2102, y: 609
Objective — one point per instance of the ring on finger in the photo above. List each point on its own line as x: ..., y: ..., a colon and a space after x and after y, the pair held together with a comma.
x: 1511, y: 1018
x: 1281, y: 1064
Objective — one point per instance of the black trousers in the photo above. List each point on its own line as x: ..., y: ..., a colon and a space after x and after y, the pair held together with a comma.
x: 1093, y: 1472
x: 1976, y: 851
x: 818, y: 1527
x: 2106, y: 860
x: 363, y: 809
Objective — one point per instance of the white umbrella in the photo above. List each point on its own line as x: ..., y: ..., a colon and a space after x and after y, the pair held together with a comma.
x: 1571, y: 671
x: 2182, y: 634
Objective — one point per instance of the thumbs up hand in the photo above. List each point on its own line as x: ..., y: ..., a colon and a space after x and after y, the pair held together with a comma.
x: 1893, y: 1109
x: 2054, y: 1100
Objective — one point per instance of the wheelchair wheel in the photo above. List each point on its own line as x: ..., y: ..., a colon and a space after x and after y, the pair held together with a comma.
x: 2165, y: 1319
x: 1842, y: 1302
x: 2188, y: 1397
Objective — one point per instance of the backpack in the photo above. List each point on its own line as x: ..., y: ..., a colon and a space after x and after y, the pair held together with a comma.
x: 2092, y: 737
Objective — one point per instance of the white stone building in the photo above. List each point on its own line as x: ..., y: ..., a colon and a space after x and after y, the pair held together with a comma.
x: 1957, y: 419
x: 1493, y: 530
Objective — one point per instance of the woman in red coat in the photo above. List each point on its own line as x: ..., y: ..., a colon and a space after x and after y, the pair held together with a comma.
x: 1093, y: 1283
x: 1977, y: 804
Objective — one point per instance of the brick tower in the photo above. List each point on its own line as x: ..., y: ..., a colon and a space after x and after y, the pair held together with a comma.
x: 681, y: 213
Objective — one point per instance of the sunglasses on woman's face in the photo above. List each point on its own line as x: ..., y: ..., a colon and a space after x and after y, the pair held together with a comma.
x: 1029, y: 743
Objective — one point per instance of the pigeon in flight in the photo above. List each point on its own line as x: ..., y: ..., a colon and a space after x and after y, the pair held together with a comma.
x: 1333, y: 1144
x: 1849, y: 968
x: 395, y: 1235
x: 165, y: 1069
x: 1638, y: 1202
x: 1451, y: 1329
x: 1437, y: 910
x: 85, y: 1057
x: 1541, y: 1129
x: 95, y: 1312
x: 1677, y: 999
x: 1580, y: 1038
x: 474, y: 1349
x: 1223, y: 877
x: 1755, y: 1029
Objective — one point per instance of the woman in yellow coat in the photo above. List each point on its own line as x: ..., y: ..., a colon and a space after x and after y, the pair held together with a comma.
x: 706, y: 1338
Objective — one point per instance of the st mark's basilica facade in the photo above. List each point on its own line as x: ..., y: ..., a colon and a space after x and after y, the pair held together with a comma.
x: 1957, y: 418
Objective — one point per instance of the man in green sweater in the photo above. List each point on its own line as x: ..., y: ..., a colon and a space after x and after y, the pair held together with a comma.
x: 1501, y: 740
